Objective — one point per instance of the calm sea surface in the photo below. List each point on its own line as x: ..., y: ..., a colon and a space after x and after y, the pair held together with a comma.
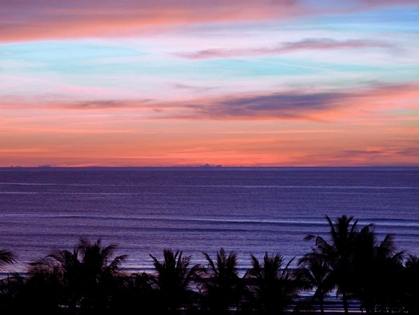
x: 196, y: 210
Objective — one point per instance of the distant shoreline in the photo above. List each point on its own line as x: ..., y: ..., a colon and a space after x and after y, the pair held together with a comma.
x: 218, y: 167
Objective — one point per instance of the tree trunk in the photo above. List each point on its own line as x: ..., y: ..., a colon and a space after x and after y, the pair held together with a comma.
x: 345, y: 304
x: 321, y: 304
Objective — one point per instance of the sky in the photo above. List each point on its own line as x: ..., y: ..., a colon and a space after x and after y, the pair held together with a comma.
x: 218, y: 82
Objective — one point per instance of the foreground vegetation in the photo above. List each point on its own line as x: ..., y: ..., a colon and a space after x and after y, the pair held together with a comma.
x: 352, y: 264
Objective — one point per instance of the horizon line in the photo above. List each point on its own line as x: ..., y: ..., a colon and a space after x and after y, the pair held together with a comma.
x: 205, y: 166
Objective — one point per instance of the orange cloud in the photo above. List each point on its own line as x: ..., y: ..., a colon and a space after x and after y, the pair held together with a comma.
x: 372, y: 126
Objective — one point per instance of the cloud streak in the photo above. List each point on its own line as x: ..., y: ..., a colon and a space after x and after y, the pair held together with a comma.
x: 307, y: 44
x: 288, y: 105
x: 318, y: 106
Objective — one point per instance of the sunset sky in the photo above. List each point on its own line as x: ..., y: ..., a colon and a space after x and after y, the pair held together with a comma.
x: 187, y: 83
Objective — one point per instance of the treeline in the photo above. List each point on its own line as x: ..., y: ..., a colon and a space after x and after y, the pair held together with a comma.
x: 352, y: 264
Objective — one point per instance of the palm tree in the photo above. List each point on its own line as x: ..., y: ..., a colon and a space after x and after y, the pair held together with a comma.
x: 69, y: 266
x: 97, y: 272
x: 6, y: 257
x: 376, y: 267
x: 7, y: 286
x: 314, y: 272
x: 44, y: 288
x: 388, y: 265
x: 86, y: 273
x: 366, y: 266
x: 338, y: 253
x: 220, y: 282
x: 173, y: 278
x: 409, y: 279
x: 274, y: 289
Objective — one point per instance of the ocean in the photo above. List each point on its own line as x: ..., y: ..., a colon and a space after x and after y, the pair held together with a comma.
x: 196, y: 210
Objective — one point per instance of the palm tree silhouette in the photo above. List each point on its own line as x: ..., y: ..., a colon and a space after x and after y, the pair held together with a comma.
x: 220, y: 282
x: 44, y: 289
x: 314, y: 272
x: 10, y: 286
x: 69, y: 266
x: 338, y: 253
x: 86, y: 273
x: 6, y: 257
x: 274, y: 289
x: 173, y: 279
x: 409, y: 285
x: 374, y: 265
x: 97, y: 273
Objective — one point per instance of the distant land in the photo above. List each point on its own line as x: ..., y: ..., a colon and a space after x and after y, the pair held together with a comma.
x: 214, y: 167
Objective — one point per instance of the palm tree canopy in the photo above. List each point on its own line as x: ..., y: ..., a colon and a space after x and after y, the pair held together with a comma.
x: 85, y: 264
x: 268, y: 270
x: 272, y: 286
x: 95, y: 257
x: 314, y: 270
x: 6, y: 257
x: 173, y: 273
x: 226, y: 266
x: 220, y: 281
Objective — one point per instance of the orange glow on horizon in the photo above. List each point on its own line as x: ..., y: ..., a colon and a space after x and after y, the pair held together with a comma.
x: 342, y: 135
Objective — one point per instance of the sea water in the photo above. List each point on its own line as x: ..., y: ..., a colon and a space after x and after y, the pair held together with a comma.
x: 196, y: 210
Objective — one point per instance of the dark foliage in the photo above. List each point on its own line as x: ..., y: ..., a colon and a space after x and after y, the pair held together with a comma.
x: 353, y: 263
x: 220, y: 283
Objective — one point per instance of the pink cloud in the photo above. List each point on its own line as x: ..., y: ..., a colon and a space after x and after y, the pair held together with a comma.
x: 47, y: 19
x: 28, y: 20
